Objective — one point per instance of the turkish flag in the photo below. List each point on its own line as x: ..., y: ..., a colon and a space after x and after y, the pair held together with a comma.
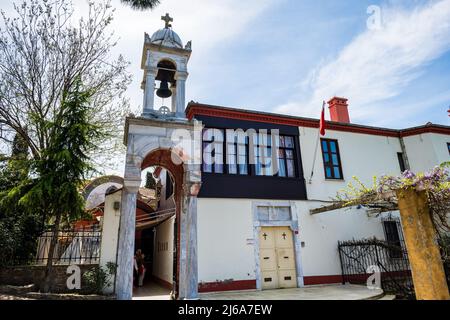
x: 323, y: 124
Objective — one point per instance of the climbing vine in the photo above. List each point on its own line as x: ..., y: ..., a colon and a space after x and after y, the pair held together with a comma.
x: 381, y: 196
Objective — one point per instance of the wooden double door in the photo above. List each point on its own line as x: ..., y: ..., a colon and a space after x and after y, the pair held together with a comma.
x: 277, y: 258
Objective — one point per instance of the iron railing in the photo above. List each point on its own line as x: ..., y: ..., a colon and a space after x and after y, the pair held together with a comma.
x: 79, y: 245
x: 74, y: 246
x: 358, y: 259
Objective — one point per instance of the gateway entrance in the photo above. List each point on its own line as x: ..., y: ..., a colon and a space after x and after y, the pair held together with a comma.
x: 277, y: 258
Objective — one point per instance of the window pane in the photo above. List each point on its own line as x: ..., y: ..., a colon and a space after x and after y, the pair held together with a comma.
x: 231, y: 148
x: 289, y: 142
x: 263, y: 213
x: 207, y: 134
x: 281, y: 167
x: 231, y: 159
x: 218, y: 168
x: 207, y: 168
x: 333, y: 146
x: 258, y: 169
x: 335, y: 159
x: 267, y: 166
x: 218, y: 147
x: 242, y: 150
x: 280, y: 153
x: 290, y: 154
x: 243, y: 169
x: 337, y: 174
x: 232, y: 169
x: 263, y: 140
x: 207, y: 158
x: 281, y: 213
x: 324, y: 146
x: 242, y: 159
x: 326, y: 157
x: 282, y: 144
x: 218, y: 135
x: 231, y: 136
x: 290, y: 168
x: 328, y: 172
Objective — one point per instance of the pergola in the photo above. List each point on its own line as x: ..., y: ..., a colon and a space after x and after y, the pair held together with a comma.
x: 419, y: 232
x: 375, y: 204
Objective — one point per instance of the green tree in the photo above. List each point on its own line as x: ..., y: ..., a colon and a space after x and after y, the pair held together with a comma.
x: 64, y: 166
x: 141, y: 4
x: 19, y: 227
x: 150, y: 182
x: 44, y: 48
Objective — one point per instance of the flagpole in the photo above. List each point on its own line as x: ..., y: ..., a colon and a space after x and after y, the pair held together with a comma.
x: 315, y: 151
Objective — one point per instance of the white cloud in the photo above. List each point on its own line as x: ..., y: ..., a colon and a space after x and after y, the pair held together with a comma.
x: 376, y: 65
x: 209, y: 24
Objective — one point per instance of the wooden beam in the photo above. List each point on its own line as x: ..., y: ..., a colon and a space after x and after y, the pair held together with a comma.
x: 378, y: 206
x: 331, y: 207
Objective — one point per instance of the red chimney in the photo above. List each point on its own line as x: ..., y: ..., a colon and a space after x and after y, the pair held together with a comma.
x: 339, y: 110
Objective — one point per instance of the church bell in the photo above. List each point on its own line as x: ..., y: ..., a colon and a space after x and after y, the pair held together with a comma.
x: 164, y: 91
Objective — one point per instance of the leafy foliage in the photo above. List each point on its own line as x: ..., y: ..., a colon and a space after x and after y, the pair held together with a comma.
x: 141, y: 4
x: 150, y: 182
x: 64, y: 164
x: 43, y: 50
x: 19, y: 227
x: 98, y: 278
x: 382, y: 193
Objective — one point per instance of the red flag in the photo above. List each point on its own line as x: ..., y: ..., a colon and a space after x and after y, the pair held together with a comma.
x: 323, y: 124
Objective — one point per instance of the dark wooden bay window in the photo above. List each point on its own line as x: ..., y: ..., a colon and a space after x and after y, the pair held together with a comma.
x: 228, y: 152
x: 237, y: 153
x: 213, y: 150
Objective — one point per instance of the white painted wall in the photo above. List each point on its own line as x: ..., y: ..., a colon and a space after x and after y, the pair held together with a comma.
x: 224, y: 225
x: 110, y: 232
x: 426, y: 151
x: 362, y: 155
x: 163, y: 251
x: 97, y: 196
x: 321, y: 233
x: 164, y: 203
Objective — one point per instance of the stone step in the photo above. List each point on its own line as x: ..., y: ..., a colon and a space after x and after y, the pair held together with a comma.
x: 387, y: 297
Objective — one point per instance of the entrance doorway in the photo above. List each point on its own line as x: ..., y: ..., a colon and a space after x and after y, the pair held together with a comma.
x: 156, y: 237
x: 277, y: 258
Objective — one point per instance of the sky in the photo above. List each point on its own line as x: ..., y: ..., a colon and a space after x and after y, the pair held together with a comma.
x: 287, y: 56
x: 390, y: 58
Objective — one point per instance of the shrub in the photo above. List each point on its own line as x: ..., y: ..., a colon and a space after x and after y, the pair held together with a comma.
x: 98, y: 278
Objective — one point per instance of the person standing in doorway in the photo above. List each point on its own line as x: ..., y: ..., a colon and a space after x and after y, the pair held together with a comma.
x: 140, y: 267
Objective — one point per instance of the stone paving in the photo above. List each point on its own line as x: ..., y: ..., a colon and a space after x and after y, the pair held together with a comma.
x: 151, y: 291
x: 322, y: 292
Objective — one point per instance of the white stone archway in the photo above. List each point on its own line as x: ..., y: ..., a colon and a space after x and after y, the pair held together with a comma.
x: 144, y: 138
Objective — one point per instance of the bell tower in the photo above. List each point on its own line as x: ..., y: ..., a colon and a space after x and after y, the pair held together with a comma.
x: 164, y: 61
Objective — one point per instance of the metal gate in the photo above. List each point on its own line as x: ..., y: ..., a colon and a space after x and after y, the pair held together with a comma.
x: 357, y: 257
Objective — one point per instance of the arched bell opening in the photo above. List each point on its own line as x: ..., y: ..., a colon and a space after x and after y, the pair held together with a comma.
x: 166, y: 83
x: 158, y: 233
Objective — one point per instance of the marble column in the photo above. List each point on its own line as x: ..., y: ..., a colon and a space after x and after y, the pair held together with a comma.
x: 188, y: 288
x: 149, y: 90
x: 174, y: 98
x: 180, y: 93
x: 124, y: 279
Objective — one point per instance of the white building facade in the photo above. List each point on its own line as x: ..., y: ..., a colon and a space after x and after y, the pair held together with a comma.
x: 228, y: 249
x: 241, y: 224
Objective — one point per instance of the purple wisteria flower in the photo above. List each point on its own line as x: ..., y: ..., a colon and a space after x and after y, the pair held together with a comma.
x: 408, y: 174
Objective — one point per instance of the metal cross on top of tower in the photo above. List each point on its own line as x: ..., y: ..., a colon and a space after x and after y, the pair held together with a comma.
x: 167, y: 19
